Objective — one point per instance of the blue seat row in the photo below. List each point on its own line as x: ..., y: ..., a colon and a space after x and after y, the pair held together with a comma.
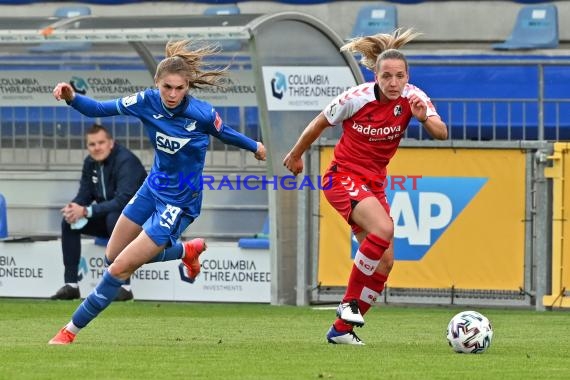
x: 491, y: 120
x: 494, y: 101
x: 484, y: 120
x: 477, y: 102
x: 65, y: 121
x: 58, y: 121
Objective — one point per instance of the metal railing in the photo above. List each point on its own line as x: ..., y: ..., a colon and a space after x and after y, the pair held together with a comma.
x: 45, y: 138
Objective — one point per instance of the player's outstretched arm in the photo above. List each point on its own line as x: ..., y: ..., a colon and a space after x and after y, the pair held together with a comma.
x: 293, y: 161
x: 85, y: 105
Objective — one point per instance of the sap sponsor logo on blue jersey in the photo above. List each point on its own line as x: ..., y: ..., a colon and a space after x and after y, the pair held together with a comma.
x: 421, y: 216
x: 169, y: 144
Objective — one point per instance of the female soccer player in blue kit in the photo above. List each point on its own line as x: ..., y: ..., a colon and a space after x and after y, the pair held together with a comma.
x: 170, y: 199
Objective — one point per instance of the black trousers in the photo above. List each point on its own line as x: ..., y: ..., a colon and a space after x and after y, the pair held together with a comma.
x: 71, y: 241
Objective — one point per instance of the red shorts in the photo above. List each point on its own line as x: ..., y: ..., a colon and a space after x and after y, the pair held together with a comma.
x: 346, y: 190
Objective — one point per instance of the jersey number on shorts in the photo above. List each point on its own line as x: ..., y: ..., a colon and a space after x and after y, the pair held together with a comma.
x: 168, y: 217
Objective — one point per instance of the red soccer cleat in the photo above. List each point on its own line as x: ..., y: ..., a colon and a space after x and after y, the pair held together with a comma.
x: 63, y: 336
x: 193, y: 249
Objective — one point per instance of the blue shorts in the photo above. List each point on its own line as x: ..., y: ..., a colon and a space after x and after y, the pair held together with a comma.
x: 163, y: 223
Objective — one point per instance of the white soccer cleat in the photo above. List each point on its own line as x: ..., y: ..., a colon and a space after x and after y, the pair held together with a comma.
x: 350, y: 313
x: 336, y: 337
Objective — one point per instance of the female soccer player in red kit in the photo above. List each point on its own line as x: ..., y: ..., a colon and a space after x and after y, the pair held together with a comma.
x: 373, y: 117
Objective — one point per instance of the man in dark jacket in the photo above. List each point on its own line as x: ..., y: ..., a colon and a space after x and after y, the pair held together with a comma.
x: 110, y: 177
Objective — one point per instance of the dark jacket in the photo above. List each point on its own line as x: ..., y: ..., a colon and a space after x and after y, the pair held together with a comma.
x: 112, y: 183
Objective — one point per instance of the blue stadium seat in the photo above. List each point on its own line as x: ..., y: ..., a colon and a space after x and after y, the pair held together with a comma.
x: 61, y: 121
x: 226, y: 45
x: 68, y: 12
x: 101, y: 241
x: 59, y: 47
x: 260, y: 241
x: 374, y: 19
x: 536, y: 27
x: 222, y: 10
x: 3, y: 218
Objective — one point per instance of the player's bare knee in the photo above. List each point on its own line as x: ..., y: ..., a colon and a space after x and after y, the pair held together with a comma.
x: 119, y: 271
x: 384, y: 230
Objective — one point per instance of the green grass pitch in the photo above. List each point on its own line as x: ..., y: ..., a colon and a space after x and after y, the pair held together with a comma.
x: 162, y: 340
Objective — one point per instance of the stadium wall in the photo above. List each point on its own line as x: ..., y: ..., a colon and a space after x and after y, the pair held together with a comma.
x: 229, y: 273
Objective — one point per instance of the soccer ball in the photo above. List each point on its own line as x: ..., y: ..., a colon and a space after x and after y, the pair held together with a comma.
x: 469, y: 332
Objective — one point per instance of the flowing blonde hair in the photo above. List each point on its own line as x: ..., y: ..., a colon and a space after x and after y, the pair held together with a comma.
x: 380, y: 46
x: 183, y: 59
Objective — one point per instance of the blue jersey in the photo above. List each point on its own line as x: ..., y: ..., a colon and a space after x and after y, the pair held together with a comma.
x: 180, y: 138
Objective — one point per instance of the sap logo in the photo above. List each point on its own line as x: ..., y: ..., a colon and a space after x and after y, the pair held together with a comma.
x: 418, y: 229
x: 169, y: 144
x: 421, y: 216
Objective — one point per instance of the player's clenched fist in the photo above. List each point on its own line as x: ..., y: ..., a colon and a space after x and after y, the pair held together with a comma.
x: 293, y: 164
x: 64, y: 91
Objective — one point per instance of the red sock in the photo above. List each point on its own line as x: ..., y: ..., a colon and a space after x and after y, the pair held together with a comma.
x: 375, y: 284
x: 365, y: 263
x: 342, y: 326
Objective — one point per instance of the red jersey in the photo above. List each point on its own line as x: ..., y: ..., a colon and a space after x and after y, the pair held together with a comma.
x: 371, y: 130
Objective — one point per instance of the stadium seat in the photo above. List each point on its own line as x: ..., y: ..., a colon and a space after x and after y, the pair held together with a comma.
x: 226, y: 45
x: 536, y: 27
x: 101, y: 241
x: 260, y: 241
x: 222, y: 10
x: 68, y: 12
x: 59, y: 47
x: 374, y: 19
x: 3, y: 218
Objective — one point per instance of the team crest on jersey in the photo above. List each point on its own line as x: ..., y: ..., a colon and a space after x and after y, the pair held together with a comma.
x: 190, y: 125
x: 397, y: 110
x: 169, y: 144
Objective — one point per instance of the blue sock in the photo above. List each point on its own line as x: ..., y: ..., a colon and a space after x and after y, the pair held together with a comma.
x: 101, y: 297
x: 171, y: 253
